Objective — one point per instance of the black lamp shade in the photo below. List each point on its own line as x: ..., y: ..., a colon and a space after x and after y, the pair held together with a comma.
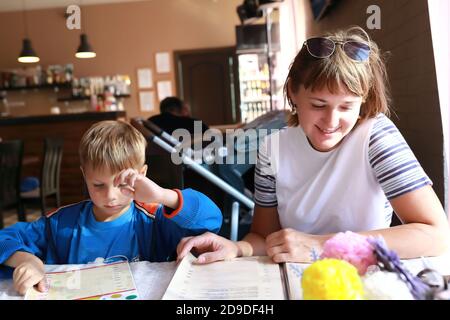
x: 85, y: 50
x: 27, y: 55
x: 248, y: 12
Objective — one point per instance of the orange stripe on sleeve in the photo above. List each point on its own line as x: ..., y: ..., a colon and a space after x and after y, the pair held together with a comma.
x: 177, y: 210
x: 148, y: 208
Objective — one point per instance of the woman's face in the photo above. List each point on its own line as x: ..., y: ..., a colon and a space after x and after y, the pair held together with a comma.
x: 326, y: 118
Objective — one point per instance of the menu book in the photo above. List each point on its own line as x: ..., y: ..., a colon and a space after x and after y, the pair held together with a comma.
x: 112, y: 281
x: 246, y: 278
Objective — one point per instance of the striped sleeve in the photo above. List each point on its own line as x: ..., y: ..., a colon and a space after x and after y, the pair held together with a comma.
x: 265, y: 183
x: 396, y: 168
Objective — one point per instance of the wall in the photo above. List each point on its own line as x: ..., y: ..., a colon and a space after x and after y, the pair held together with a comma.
x: 439, y: 12
x: 405, y: 33
x: 124, y: 36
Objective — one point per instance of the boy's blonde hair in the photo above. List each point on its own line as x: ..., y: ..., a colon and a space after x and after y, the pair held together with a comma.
x: 367, y: 79
x: 113, y: 145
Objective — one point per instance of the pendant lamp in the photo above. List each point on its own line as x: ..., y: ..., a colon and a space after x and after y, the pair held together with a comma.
x: 85, y: 50
x: 27, y: 55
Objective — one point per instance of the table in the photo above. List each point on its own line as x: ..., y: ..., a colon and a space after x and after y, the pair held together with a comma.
x: 151, y: 279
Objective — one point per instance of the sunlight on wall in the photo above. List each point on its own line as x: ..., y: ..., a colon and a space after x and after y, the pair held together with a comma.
x: 292, y: 33
x: 439, y: 11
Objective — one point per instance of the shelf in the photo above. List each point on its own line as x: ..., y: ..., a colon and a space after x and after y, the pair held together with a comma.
x: 40, y: 86
x: 88, y: 98
x: 264, y: 78
x: 255, y: 99
x: 259, y: 99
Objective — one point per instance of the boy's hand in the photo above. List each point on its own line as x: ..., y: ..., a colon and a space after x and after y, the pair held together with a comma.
x: 28, y: 274
x: 138, y: 186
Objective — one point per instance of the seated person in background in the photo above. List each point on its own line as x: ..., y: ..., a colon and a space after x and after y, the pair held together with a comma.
x: 175, y: 114
x: 127, y: 214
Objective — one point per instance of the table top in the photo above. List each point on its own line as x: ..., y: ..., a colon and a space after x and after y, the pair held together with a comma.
x: 151, y: 279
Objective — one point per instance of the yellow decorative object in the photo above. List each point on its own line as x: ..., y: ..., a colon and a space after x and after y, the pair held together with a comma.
x: 331, y: 279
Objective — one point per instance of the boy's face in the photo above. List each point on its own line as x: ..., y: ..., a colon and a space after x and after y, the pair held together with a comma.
x: 109, y: 201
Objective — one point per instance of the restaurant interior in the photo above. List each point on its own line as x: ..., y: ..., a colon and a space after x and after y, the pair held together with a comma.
x: 65, y: 65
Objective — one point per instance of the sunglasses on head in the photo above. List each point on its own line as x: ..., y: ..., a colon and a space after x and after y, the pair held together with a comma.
x: 324, y: 47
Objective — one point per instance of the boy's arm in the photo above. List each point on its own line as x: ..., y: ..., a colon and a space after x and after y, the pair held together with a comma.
x: 195, y: 212
x: 169, y: 198
x: 189, y: 209
x: 20, y: 257
x: 23, y: 236
x: 18, y: 244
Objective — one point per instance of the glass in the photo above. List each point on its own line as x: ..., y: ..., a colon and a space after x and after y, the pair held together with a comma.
x: 324, y: 47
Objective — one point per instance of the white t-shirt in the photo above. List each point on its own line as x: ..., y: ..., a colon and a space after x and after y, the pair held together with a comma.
x: 346, y: 188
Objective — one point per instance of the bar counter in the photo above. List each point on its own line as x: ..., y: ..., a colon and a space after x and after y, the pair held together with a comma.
x: 32, y: 130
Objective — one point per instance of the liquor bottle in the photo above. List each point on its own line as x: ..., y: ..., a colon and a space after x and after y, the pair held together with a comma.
x: 49, y: 76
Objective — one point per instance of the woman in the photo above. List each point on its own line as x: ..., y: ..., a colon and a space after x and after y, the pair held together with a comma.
x: 340, y: 165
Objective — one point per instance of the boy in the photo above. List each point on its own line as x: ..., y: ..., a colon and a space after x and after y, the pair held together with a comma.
x: 127, y: 214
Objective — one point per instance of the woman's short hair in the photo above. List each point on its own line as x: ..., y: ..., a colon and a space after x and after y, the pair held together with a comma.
x: 367, y: 79
x: 112, y: 145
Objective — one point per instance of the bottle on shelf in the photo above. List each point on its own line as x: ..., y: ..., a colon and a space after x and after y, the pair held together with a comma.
x: 49, y: 79
x: 68, y: 73
x: 94, y: 102
x: 120, y: 105
x: 110, y: 101
x: 259, y: 110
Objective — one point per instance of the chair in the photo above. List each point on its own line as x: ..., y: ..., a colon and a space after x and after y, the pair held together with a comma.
x: 50, y: 173
x: 11, y: 153
x: 161, y: 169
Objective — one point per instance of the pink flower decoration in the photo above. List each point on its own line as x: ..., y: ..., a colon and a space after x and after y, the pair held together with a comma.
x: 351, y: 247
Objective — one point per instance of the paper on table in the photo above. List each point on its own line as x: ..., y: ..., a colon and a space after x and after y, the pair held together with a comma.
x: 256, y: 278
x: 100, y: 282
x: 152, y: 278
x: 294, y: 273
x: 439, y: 263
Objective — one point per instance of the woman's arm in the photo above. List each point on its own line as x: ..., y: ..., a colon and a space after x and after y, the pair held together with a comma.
x: 265, y: 221
x: 425, y: 230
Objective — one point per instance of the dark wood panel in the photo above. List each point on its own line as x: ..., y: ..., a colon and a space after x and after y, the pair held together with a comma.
x: 33, y: 130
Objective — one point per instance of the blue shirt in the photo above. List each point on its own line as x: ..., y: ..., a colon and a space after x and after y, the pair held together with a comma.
x: 117, y: 237
x: 71, y: 235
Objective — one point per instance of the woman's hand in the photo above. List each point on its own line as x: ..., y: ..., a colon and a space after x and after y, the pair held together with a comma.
x: 289, y: 245
x: 210, y: 246
x: 29, y: 273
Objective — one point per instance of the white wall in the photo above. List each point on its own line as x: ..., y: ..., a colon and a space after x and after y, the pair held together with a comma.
x: 439, y: 12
